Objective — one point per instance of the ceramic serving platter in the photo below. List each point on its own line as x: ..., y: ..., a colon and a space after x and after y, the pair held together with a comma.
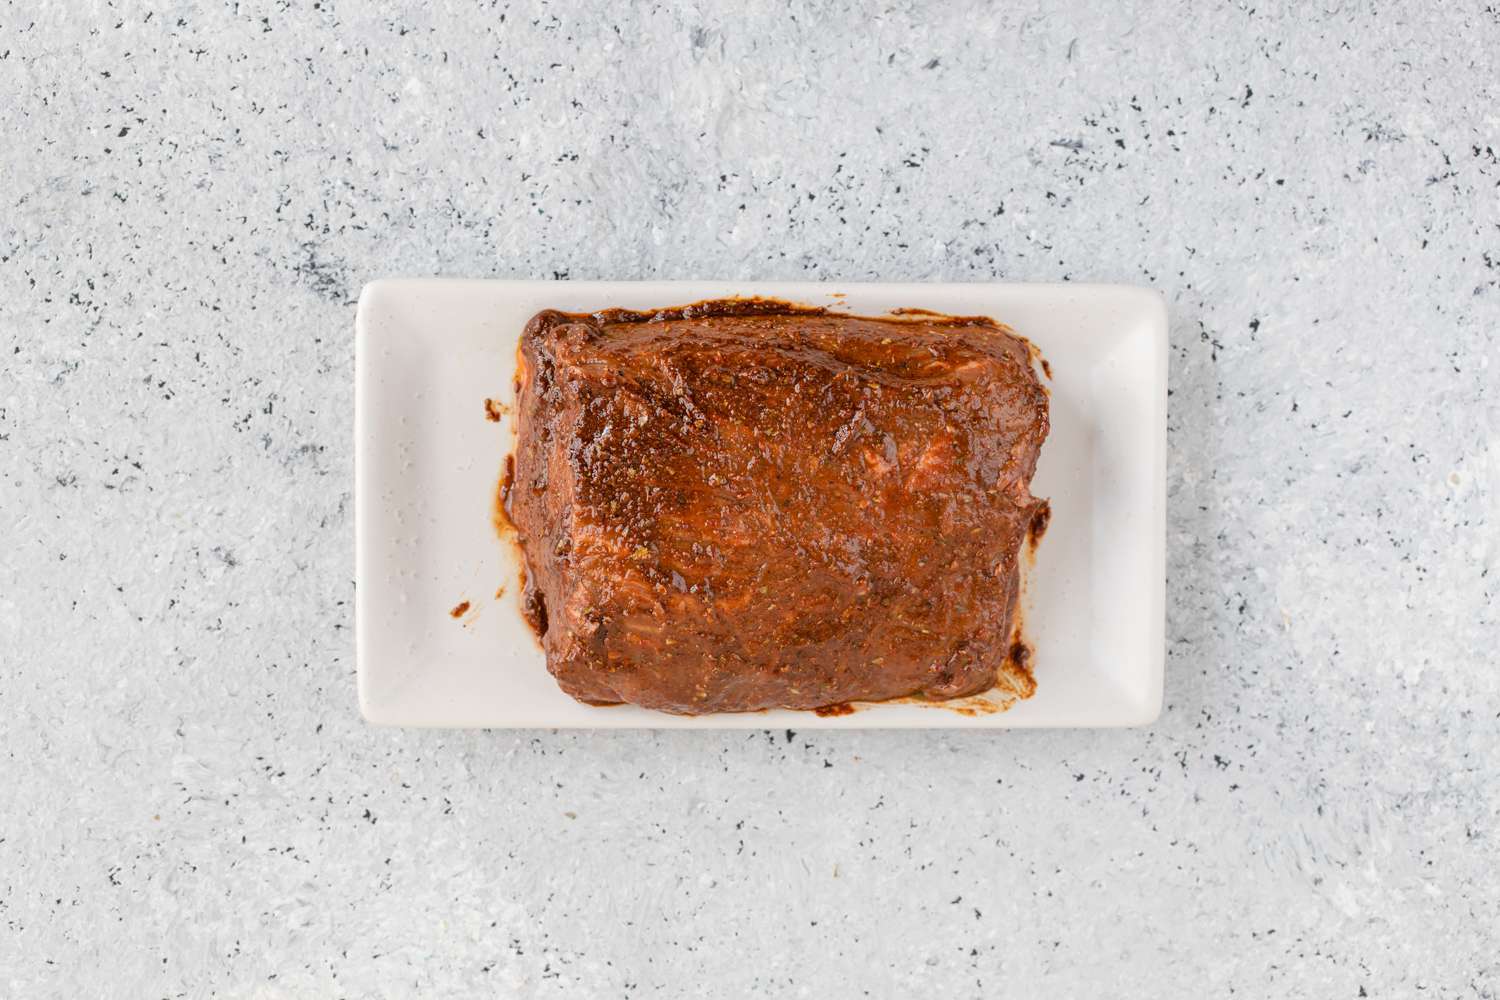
x: 430, y: 352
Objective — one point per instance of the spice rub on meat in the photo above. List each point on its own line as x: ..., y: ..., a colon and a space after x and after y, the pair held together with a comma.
x: 746, y: 504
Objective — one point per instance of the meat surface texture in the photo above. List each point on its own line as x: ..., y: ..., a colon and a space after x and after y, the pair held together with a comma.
x: 739, y: 505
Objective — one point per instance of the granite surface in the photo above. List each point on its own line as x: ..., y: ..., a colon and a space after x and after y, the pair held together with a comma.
x: 191, y: 196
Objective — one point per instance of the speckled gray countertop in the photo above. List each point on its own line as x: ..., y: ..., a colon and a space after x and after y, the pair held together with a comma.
x: 190, y: 199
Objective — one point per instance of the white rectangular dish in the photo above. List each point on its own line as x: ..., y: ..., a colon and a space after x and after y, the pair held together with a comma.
x: 429, y: 352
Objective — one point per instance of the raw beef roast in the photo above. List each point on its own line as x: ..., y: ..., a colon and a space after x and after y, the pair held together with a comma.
x: 743, y: 505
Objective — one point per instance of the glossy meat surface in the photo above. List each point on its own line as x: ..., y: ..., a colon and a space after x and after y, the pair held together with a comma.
x: 727, y: 509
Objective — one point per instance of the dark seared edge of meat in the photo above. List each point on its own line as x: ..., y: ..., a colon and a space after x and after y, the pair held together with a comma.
x: 746, y: 505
